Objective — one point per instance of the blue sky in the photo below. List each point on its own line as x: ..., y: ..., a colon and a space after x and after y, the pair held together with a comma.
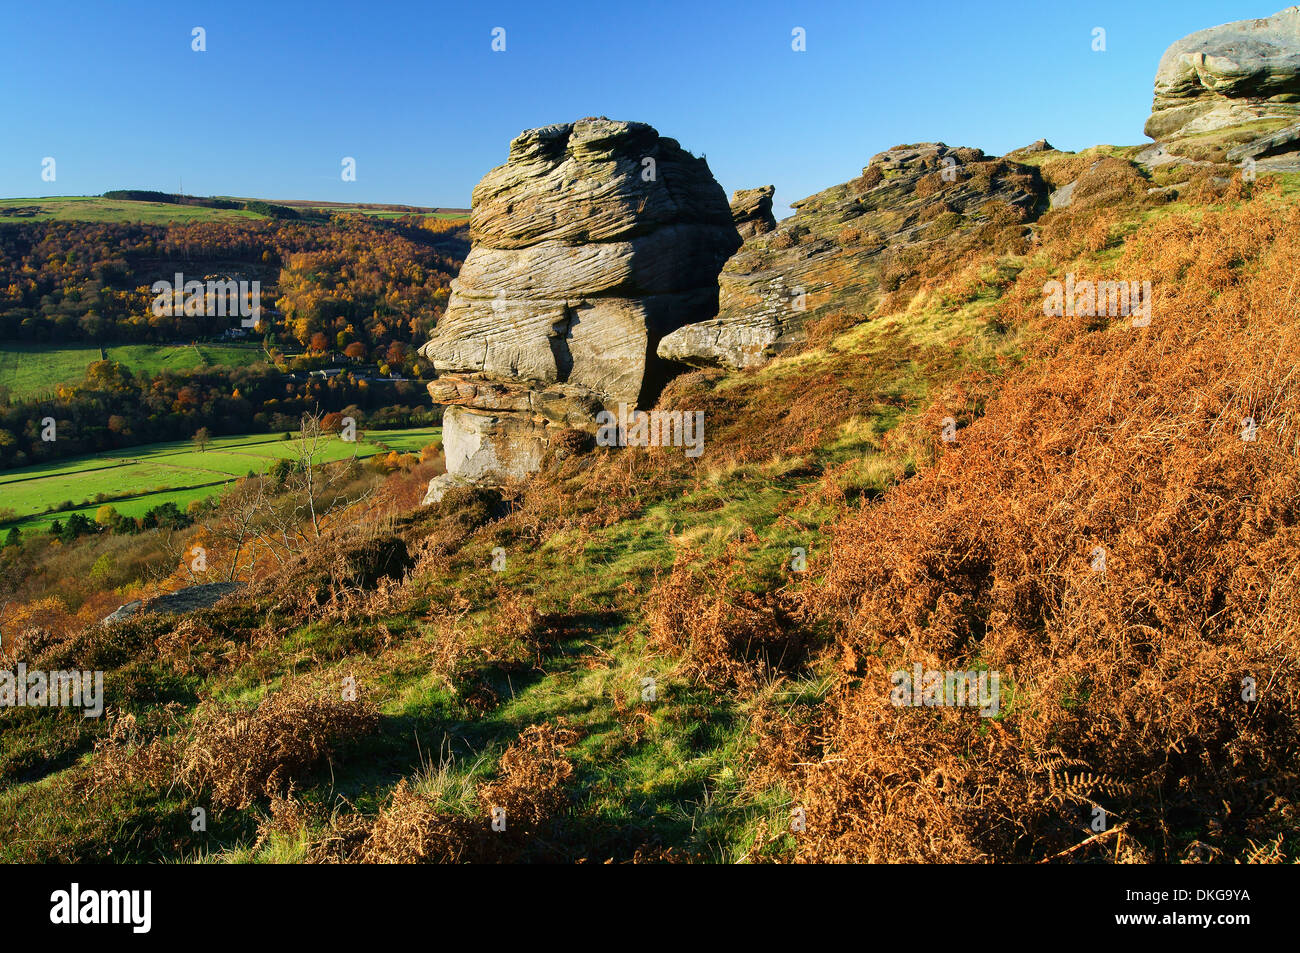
x: 414, y: 92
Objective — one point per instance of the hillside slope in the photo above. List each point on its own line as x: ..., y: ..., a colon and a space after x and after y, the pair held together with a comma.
x: 628, y: 654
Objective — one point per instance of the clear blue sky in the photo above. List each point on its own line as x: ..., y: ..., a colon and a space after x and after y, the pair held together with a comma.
x: 413, y: 91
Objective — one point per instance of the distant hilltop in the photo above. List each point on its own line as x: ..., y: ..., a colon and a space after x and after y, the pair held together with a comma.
x: 157, y: 207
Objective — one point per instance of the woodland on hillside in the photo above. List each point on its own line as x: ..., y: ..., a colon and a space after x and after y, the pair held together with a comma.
x: 352, y: 278
x: 350, y: 291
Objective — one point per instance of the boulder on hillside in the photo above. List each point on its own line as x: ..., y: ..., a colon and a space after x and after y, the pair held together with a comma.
x: 751, y: 211
x: 189, y: 599
x: 593, y: 241
x: 1243, y: 74
x: 1038, y: 145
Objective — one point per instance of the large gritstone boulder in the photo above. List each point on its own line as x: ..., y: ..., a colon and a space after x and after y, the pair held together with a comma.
x: 592, y: 242
x: 1229, y: 85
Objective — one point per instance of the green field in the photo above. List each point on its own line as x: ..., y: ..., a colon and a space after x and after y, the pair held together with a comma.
x: 35, y: 370
x: 92, y: 208
x: 147, y: 476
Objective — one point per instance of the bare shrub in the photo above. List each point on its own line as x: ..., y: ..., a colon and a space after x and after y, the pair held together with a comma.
x: 533, y: 776
x: 240, y: 756
x: 1107, y: 181
x: 823, y: 330
x: 531, y: 789
x: 409, y: 830
x: 871, y: 177
x: 724, y: 634
x: 929, y: 184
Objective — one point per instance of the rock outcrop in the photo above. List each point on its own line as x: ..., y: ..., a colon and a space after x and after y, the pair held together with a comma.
x: 846, y: 246
x: 1038, y: 145
x: 1243, y: 75
x: 182, y: 600
x: 751, y: 211
x: 592, y: 242
x: 1283, y: 142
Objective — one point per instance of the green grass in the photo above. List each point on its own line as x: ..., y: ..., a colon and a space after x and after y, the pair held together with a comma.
x: 154, y: 358
x: 35, y: 370
x: 92, y: 208
x: 1288, y: 184
x: 147, y: 476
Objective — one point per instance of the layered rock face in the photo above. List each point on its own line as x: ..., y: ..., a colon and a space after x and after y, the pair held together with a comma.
x: 591, y: 243
x: 751, y: 211
x: 846, y: 246
x: 1229, y: 75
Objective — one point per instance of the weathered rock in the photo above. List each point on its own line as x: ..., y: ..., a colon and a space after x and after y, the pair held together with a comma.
x: 182, y: 600
x: 847, y: 246
x: 192, y: 597
x: 592, y: 242
x: 1282, y: 142
x: 1227, y: 76
x: 1038, y: 145
x: 1063, y: 196
x: 124, y: 611
x: 751, y: 211
x: 440, y: 485
x: 480, y: 447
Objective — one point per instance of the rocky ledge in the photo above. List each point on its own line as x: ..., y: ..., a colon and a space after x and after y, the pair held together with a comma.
x: 846, y: 246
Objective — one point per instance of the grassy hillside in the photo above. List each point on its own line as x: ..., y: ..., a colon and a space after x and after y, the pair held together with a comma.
x: 94, y: 208
x: 29, y: 371
x: 630, y: 657
x: 140, y: 478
